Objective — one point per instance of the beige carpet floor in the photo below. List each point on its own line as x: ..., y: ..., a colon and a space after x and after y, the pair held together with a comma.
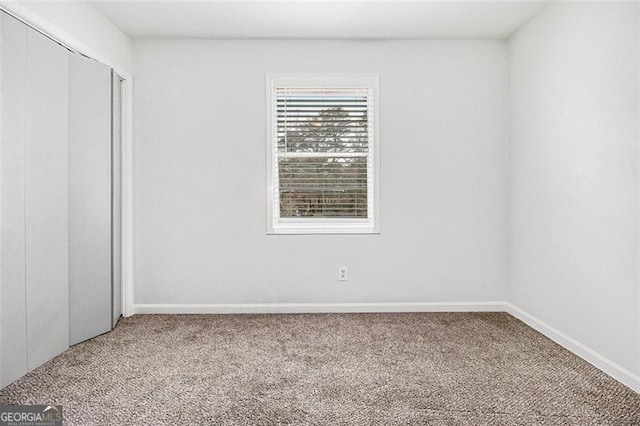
x: 369, y: 369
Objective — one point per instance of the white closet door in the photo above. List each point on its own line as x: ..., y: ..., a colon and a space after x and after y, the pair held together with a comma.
x: 116, y: 214
x: 13, y: 329
x: 47, y: 232
x: 90, y: 305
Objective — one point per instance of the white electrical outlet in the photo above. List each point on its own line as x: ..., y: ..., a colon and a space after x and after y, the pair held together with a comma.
x: 342, y: 273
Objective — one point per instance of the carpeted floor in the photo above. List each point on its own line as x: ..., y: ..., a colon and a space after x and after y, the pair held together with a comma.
x: 382, y: 369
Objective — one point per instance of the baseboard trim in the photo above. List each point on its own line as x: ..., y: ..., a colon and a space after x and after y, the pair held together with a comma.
x: 295, y: 308
x: 608, y: 366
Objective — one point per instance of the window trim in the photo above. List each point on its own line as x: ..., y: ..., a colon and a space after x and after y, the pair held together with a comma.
x: 277, y: 225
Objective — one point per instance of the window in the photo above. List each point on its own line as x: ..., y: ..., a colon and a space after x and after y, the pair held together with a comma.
x: 322, y: 146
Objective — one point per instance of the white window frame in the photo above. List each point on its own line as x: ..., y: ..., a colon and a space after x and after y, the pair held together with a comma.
x: 278, y: 225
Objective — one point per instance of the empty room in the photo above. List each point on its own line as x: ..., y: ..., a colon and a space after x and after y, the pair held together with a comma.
x: 319, y: 212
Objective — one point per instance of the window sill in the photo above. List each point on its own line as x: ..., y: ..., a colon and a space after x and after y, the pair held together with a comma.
x: 321, y: 228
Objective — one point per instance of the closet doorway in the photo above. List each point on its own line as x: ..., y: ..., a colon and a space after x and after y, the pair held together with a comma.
x: 61, y: 170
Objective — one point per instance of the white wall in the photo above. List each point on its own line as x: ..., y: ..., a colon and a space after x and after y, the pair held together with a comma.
x: 199, y: 175
x: 574, y: 174
x: 83, y: 23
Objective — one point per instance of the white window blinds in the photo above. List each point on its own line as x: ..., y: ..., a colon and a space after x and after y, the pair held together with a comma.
x: 322, y: 147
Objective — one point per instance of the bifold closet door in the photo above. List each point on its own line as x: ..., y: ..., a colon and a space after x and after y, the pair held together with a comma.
x: 35, y: 265
x: 13, y: 318
x: 56, y: 252
x: 46, y: 199
x: 90, y: 292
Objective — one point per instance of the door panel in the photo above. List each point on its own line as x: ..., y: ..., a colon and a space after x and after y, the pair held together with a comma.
x: 89, y: 198
x: 46, y: 189
x: 13, y: 321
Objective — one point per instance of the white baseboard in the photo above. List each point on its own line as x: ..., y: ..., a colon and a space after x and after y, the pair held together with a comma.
x: 291, y: 308
x: 611, y: 368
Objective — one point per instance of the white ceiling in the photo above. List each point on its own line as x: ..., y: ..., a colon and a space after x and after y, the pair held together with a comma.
x: 318, y: 19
